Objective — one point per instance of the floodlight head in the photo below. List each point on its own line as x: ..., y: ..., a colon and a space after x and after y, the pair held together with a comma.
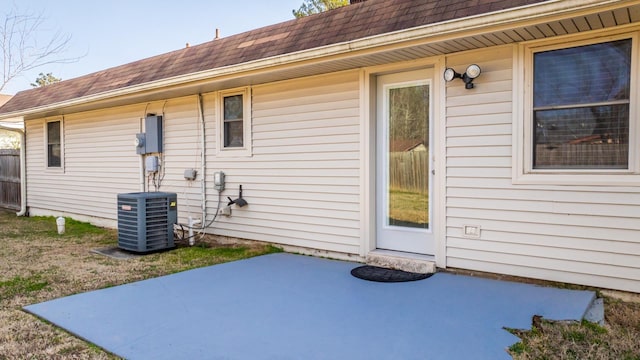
x: 473, y: 71
x: 450, y: 74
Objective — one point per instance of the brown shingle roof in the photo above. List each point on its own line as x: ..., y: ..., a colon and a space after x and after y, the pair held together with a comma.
x: 357, y: 21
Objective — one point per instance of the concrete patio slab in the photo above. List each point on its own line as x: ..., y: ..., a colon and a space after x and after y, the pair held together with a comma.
x: 285, y: 306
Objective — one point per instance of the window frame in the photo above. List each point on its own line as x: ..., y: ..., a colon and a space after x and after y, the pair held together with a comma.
x: 46, y: 144
x: 523, y: 170
x: 240, y: 151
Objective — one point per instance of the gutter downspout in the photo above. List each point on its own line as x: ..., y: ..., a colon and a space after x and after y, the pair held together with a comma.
x: 203, y: 162
x: 23, y: 174
x: 23, y: 169
x: 141, y: 161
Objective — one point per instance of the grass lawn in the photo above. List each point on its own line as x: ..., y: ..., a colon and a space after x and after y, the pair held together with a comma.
x: 409, y: 208
x: 37, y: 264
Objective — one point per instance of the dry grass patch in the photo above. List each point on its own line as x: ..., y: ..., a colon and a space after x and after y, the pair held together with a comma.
x: 37, y: 264
x: 618, y: 339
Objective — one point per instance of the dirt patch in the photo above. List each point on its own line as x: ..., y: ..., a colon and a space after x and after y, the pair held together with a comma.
x: 37, y: 264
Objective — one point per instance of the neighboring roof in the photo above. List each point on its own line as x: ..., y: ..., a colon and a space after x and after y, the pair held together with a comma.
x: 404, y: 145
x: 4, y: 98
x: 352, y: 22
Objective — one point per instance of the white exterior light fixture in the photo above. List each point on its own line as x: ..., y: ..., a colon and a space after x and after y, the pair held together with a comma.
x: 472, y: 72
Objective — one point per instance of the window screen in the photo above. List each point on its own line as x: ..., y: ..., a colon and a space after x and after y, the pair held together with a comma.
x: 581, y: 107
x: 53, y: 144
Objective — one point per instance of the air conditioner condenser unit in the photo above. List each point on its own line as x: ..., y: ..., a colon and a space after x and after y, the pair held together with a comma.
x: 145, y: 221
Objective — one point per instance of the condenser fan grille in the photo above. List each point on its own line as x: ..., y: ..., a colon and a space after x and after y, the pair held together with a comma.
x: 145, y: 221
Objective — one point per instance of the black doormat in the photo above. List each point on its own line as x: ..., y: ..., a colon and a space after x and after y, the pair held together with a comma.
x: 374, y: 273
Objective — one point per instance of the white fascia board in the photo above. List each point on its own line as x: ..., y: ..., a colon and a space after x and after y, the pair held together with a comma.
x: 15, y: 123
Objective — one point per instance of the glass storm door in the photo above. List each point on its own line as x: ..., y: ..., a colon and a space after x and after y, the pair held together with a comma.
x: 403, y: 174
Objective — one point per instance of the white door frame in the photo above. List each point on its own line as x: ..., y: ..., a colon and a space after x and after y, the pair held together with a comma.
x: 368, y: 153
x: 389, y: 236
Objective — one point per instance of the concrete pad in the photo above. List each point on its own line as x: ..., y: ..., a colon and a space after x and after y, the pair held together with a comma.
x: 285, y: 306
x: 595, y: 313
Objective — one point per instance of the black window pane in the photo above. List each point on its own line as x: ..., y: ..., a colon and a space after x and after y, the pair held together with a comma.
x: 53, y: 158
x: 233, y: 107
x: 53, y: 132
x: 233, y: 134
x: 582, y: 138
x: 582, y: 75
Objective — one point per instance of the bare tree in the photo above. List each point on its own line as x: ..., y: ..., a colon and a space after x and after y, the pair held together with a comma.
x: 22, y: 47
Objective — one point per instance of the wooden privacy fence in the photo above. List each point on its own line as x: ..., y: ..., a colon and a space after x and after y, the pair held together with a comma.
x: 589, y: 155
x: 10, y: 179
x: 408, y: 171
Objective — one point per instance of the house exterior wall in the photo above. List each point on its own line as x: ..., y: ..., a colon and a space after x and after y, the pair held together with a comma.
x: 100, y: 161
x: 577, y: 234
x: 301, y: 183
x: 97, y: 164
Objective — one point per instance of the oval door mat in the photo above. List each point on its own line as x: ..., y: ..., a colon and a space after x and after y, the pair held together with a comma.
x: 375, y: 273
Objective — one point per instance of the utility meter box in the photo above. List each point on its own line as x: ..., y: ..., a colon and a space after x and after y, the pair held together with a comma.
x: 140, y: 146
x: 153, y: 131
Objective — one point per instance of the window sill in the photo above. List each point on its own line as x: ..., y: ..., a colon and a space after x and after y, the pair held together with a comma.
x: 55, y: 170
x: 234, y: 152
x: 622, y: 178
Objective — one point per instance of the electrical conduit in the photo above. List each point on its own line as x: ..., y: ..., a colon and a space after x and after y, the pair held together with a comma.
x: 203, y: 163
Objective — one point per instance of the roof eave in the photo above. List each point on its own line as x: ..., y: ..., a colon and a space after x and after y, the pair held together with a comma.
x: 441, y: 30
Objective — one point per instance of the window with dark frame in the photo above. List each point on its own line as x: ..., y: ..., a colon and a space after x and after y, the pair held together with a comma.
x: 54, y: 145
x: 581, y: 99
x: 233, y: 121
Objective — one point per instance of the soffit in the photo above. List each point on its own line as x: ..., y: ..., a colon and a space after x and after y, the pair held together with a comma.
x: 609, y: 18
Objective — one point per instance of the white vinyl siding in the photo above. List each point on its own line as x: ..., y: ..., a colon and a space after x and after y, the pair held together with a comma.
x: 101, y: 161
x: 182, y: 151
x: 579, y: 234
x: 302, y: 182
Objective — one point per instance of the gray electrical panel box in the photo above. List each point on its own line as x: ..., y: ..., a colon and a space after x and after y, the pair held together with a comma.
x: 190, y: 174
x: 153, y: 131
